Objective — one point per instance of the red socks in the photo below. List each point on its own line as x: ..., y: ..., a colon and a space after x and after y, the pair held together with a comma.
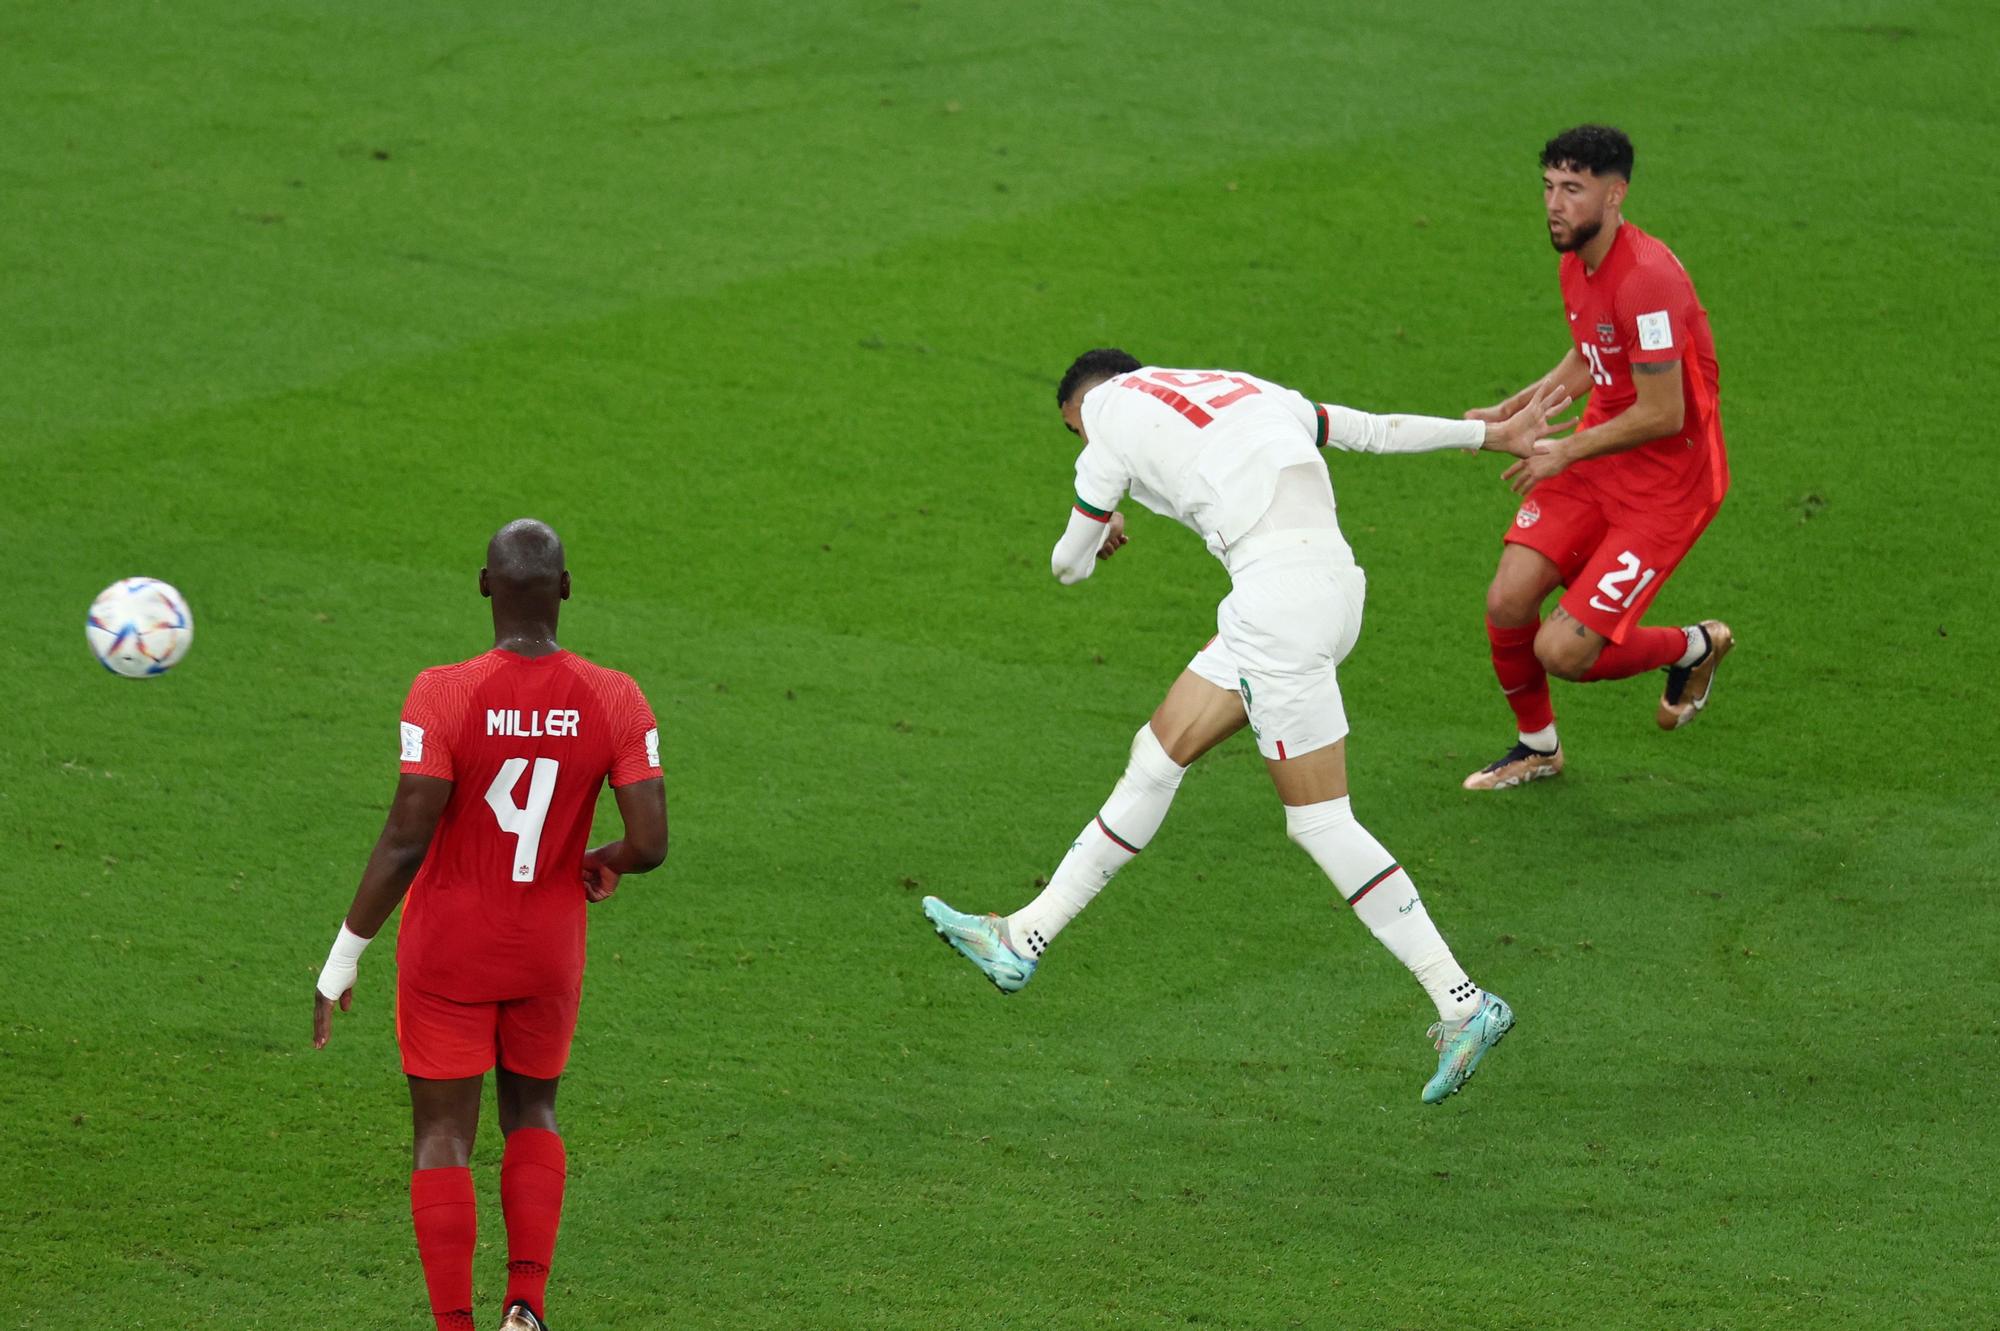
x: 531, y: 1196
x: 1643, y: 649
x: 447, y: 1221
x: 1521, y: 675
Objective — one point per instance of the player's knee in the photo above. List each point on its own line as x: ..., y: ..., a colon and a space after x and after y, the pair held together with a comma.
x: 1309, y: 825
x: 1509, y: 604
x: 1155, y: 761
x: 1566, y: 655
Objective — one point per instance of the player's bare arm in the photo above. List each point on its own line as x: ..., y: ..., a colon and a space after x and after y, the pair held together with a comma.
x: 1571, y: 374
x: 1658, y: 412
x: 643, y: 807
x: 399, y: 852
x: 1533, y: 421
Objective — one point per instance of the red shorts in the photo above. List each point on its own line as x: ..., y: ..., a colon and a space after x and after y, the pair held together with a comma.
x: 1612, y: 561
x: 444, y: 1039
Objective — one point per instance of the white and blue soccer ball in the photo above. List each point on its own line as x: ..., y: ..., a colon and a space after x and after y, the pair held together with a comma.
x: 139, y: 627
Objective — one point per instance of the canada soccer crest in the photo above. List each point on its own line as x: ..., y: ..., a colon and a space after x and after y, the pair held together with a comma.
x: 1529, y: 515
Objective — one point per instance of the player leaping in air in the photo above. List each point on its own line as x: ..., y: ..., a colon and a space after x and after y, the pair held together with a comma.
x: 1236, y: 458
x: 503, y: 756
x: 1610, y: 511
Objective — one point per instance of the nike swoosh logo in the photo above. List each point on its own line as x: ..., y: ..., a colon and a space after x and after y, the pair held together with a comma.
x: 1508, y: 693
x: 1596, y: 604
x: 1407, y: 906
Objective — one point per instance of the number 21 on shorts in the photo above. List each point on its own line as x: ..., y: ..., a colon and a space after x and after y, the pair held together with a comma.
x: 1612, y: 586
x: 523, y: 820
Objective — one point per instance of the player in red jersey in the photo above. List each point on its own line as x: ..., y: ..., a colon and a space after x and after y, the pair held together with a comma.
x: 1610, y: 511
x: 503, y: 758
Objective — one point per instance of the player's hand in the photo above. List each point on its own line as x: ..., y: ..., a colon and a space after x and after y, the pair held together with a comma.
x: 1548, y: 459
x: 1114, y: 536
x: 600, y: 880
x: 1520, y: 432
x: 323, y: 1015
x: 1491, y: 415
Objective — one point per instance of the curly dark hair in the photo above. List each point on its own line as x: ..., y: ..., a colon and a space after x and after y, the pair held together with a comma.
x: 1599, y: 149
x: 1093, y: 367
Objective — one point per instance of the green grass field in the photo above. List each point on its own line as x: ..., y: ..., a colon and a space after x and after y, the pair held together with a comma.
x: 762, y: 307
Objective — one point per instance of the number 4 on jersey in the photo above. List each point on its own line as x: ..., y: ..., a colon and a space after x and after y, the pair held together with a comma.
x: 523, y: 820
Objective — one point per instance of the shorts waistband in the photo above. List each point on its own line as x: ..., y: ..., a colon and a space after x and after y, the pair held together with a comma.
x: 1316, y: 545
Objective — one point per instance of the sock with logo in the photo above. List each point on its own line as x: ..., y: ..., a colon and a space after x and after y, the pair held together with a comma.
x: 1643, y: 649
x: 446, y: 1215
x: 1384, y: 899
x: 532, y: 1172
x: 1128, y: 820
x: 1521, y: 675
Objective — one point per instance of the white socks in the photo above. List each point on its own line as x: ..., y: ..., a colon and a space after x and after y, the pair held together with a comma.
x: 1543, y: 740
x: 1697, y: 648
x: 1384, y: 899
x: 1128, y: 820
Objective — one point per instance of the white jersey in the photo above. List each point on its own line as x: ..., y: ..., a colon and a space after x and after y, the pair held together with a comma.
x: 1203, y: 447
x: 1223, y: 453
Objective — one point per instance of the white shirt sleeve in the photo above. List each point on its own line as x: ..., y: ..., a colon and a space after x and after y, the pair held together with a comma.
x: 1359, y: 432
x: 1101, y: 479
x: 1075, y: 554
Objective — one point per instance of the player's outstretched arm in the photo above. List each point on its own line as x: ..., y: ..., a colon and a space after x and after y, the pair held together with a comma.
x: 1571, y: 374
x: 399, y: 852
x: 1358, y: 431
x: 643, y: 808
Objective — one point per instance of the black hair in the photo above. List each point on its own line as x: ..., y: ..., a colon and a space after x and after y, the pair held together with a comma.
x: 1598, y: 149
x: 1093, y: 367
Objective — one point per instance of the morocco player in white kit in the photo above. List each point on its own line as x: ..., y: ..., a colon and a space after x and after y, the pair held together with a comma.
x: 1236, y: 459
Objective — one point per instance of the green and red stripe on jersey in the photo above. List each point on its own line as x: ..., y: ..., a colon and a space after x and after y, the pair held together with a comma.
x: 1319, y: 410
x: 1369, y: 886
x: 1092, y: 511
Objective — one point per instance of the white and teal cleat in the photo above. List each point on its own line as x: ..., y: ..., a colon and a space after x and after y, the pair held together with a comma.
x: 1461, y: 1046
x: 981, y: 940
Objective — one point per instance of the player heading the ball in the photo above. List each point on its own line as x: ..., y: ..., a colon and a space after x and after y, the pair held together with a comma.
x: 1237, y: 459
x: 503, y: 757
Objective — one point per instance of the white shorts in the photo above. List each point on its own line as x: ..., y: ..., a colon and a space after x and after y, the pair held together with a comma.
x: 1281, y: 631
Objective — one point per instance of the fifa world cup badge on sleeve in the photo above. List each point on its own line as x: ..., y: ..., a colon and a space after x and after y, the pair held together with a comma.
x: 413, y: 743
x: 653, y: 747
x: 1656, y: 331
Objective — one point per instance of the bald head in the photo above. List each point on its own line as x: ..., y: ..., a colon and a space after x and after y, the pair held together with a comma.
x: 525, y: 576
x: 525, y: 552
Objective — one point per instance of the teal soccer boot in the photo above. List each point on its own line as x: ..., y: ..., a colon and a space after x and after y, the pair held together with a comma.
x: 1461, y: 1046
x: 981, y: 940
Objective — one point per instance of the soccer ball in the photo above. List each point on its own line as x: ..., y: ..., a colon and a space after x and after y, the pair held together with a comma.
x: 139, y: 627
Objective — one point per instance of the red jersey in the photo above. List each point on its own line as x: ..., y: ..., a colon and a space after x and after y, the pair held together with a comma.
x: 497, y: 910
x: 1639, y: 307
